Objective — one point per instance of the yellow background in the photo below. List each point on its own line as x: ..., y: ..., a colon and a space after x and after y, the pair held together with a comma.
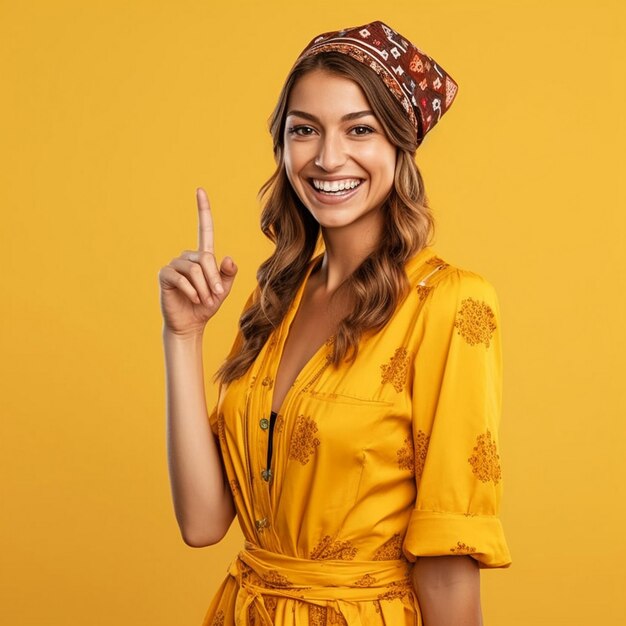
x: 113, y: 112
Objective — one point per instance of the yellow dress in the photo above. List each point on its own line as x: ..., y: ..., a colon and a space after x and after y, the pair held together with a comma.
x: 373, y: 463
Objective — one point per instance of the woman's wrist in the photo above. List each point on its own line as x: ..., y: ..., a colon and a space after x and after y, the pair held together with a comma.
x: 188, y: 336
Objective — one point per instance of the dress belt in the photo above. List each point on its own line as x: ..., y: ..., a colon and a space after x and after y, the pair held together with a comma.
x: 329, y: 581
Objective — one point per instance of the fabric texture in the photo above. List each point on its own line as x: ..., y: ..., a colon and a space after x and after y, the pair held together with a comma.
x: 374, y: 463
x: 423, y: 88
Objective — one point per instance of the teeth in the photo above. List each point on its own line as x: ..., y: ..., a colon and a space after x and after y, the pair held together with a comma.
x: 336, y: 185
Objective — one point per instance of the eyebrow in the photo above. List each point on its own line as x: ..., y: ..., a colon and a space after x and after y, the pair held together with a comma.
x: 347, y: 116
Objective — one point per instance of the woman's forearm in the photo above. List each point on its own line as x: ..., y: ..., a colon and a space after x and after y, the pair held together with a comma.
x: 448, y: 590
x: 202, y: 500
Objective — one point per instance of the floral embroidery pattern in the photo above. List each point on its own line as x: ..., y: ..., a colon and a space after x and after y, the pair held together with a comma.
x: 406, y: 456
x: 325, y: 616
x: 303, y: 440
x: 329, y: 549
x: 221, y: 432
x: 252, y: 613
x: 476, y: 322
x: 218, y: 620
x: 421, y: 448
x: 461, y: 548
x: 270, y: 605
x: 317, y: 615
x: 435, y: 260
x: 396, y: 589
x: 390, y: 550
x: 235, y: 487
x: 423, y: 291
x: 248, y: 575
x: 412, y: 456
x: 275, y: 579
x: 485, y: 461
x: 395, y: 372
x: 267, y: 382
x: 365, y: 581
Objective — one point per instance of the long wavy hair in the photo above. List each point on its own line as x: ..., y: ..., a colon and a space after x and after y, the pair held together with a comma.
x: 379, y: 283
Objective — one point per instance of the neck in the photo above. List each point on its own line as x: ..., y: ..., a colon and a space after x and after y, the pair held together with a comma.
x: 346, y: 248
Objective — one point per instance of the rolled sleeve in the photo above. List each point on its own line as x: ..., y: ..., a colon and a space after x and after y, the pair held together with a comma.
x: 456, y: 401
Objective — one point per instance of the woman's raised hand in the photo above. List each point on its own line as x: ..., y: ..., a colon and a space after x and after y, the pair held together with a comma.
x: 192, y: 286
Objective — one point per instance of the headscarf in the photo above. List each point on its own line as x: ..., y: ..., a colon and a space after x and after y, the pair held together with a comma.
x: 423, y: 88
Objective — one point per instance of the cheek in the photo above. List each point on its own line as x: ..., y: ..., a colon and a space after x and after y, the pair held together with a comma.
x: 379, y: 154
x: 384, y: 164
x: 290, y: 169
x: 293, y: 166
x: 295, y: 160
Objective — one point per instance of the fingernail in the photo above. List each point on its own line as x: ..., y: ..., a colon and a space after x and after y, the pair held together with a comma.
x: 219, y: 288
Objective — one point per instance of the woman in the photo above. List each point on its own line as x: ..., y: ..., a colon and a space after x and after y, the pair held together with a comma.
x: 355, y: 432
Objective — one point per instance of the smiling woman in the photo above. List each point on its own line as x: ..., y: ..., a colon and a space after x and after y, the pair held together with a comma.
x: 355, y: 431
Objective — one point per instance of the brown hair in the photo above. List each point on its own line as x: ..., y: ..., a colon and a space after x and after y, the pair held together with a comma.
x: 379, y: 283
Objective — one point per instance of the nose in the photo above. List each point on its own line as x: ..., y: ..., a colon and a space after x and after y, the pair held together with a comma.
x: 332, y: 153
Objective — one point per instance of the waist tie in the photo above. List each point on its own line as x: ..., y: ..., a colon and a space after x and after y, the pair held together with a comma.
x: 339, y: 583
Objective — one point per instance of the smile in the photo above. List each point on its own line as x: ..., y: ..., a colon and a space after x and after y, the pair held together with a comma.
x: 335, y: 185
x: 336, y: 191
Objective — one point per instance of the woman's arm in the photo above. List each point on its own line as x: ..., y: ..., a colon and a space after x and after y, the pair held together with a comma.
x: 192, y: 289
x: 448, y: 590
x: 202, y: 500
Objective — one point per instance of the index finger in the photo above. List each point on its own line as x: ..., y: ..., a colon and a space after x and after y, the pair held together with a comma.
x: 205, y: 221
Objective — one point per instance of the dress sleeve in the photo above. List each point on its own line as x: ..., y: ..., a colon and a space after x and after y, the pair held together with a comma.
x: 456, y: 403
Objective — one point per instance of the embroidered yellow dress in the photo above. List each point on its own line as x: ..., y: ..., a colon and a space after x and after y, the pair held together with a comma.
x: 373, y: 463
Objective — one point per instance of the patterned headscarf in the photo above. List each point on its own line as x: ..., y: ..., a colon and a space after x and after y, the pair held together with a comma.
x: 420, y: 84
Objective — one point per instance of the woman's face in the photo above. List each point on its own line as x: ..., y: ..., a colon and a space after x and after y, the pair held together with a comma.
x: 337, y: 156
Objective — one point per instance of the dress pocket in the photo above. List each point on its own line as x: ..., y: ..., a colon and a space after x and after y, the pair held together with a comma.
x: 343, y: 398
x: 347, y: 425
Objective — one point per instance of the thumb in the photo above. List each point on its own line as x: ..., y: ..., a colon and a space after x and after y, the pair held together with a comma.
x: 228, y: 270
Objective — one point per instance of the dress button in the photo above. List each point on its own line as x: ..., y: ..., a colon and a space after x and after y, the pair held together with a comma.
x: 264, y: 423
x: 266, y: 474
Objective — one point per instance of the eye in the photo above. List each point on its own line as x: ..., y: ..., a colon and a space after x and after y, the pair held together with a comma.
x: 295, y: 130
x: 367, y: 129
